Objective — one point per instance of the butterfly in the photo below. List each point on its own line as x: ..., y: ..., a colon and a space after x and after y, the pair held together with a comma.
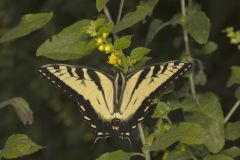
x: 114, y: 105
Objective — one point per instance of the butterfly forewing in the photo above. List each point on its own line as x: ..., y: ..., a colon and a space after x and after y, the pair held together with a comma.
x: 93, y: 90
x: 144, y: 85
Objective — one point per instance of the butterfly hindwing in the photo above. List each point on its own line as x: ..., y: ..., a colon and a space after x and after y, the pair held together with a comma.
x: 93, y: 90
x: 145, y: 84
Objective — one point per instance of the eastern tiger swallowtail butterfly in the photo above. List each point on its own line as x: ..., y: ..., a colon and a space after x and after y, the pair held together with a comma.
x: 114, y: 105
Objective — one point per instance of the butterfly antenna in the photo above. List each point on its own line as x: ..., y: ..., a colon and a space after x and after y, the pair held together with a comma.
x: 129, y: 141
x: 95, y: 141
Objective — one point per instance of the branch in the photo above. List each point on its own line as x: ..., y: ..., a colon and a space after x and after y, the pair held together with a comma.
x: 120, y: 11
x: 234, y: 108
x: 109, y: 17
x: 187, y: 48
x: 140, y: 129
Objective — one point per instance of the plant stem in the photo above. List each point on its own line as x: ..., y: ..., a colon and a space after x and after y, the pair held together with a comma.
x: 190, y: 153
x: 109, y: 17
x: 140, y: 129
x: 187, y: 48
x: 120, y: 11
x: 234, y: 108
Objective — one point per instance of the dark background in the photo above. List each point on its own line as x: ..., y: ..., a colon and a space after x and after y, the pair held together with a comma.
x: 57, y: 122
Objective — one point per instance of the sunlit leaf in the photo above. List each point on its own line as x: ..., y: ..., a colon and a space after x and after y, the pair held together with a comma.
x: 218, y: 157
x: 139, y: 64
x: 198, y: 25
x: 186, y: 132
x: 117, y: 155
x: 233, y: 131
x: 235, y: 76
x: 233, y: 152
x: 71, y: 43
x: 22, y: 108
x: 28, y: 24
x: 19, y: 145
x: 139, y: 52
x: 122, y: 43
x: 100, y: 4
x: 107, y: 28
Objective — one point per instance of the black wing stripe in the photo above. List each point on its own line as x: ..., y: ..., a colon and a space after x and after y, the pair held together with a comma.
x: 164, y: 68
x: 96, y: 79
x: 79, y: 72
x: 156, y: 70
x: 139, y: 81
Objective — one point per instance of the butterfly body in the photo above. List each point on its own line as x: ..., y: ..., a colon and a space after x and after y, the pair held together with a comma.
x: 114, y: 105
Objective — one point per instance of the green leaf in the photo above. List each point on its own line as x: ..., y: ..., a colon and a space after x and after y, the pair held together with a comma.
x: 209, y: 115
x: 209, y: 48
x: 19, y: 145
x: 100, y: 4
x: 233, y: 131
x: 122, y: 43
x: 178, y: 155
x: 152, y: 4
x: 185, y: 132
x: 200, y: 78
x: 233, y: 152
x: 117, y: 155
x: 218, y: 157
x: 161, y: 110
x: 132, y: 18
x: 28, y: 24
x: 139, y: 64
x: 22, y: 109
x: 235, y: 76
x: 139, y: 52
x: 237, y: 93
x: 71, y: 43
x: 155, y: 26
x: 124, y: 63
x: 100, y: 22
x: 198, y: 26
x: 107, y: 28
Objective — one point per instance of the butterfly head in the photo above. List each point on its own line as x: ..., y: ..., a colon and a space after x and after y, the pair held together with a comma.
x: 115, y: 124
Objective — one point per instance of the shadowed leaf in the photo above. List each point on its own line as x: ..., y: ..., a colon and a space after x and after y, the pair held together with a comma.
x: 233, y: 131
x: 186, y: 132
x: 28, y: 24
x: 22, y: 108
x: 117, y: 155
x: 235, y: 76
x: 218, y: 157
x: 198, y: 25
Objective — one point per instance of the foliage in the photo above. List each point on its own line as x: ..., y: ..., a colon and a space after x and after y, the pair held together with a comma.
x: 203, y: 131
x: 18, y: 145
